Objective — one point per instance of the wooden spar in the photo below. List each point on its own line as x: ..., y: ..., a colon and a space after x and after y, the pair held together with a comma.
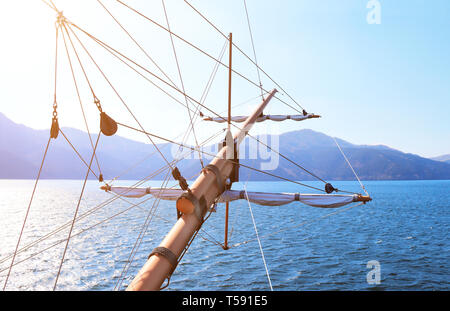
x: 205, y: 188
x: 229, y: 79
x: 227, y: 205
x: 225, y: 242
x: 362, y: 198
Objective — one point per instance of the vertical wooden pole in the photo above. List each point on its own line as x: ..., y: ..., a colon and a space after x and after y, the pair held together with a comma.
x: 227, y: 205
x: 225, y: 243
x: 229, y: 80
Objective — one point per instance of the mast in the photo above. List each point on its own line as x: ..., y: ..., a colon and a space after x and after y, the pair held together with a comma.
x: 227, y: 204
x: 193, y: 205
x: 229, y: 80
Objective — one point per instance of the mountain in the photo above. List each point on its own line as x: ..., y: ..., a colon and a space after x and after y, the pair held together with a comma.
x: 22, y: 148
x: 442, y: 158
x: 319, y: 154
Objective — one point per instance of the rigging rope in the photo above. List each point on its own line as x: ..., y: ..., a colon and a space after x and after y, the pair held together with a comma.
x: 101, y: 205
x: 148, y: 156
x: 253, y: 47
x: 214, y: 241
x: 108, y: 48
x: 26, y: 214
x: 348, y: 162
x: 62, y: 21
x: 140, y: 237
x: 109, y: 201
x: 200, y: 50
x: 137, y: 44
x: 49, y: 5
x: 248, y: 57
x: 138, y: 242
x: 81, y: 104
x: 76, y: 211
x: 213, y: 74
x: 213, y: 155
x: 77, y: 153
x: 205, y: 93
x: 151, y: 59
x: 181, y: 81
x: 82, y: 68
x: 302, y: 224
x: 185, y: 250
x: 91, y: 211
x: 118, y: 95
x: 53, y: 134
x: 257, y: 236
x: 84, y: 230
x: 148, y: 56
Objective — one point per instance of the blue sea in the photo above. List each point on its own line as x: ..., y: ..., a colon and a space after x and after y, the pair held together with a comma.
x: 404, y: 229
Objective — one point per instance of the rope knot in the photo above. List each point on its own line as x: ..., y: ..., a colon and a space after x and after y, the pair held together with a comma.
x: 181, y: 180
x: 60, y: 19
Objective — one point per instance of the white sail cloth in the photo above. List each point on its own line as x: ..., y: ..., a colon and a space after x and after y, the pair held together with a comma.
x: 261, y: 198
x: 277, y: 199
x: 162, y: 193
x: 240, y: 119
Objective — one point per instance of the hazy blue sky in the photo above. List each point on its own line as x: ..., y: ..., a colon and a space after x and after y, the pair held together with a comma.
x: 386, y: 83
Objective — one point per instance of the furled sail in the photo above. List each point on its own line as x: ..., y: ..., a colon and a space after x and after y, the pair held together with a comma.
x: 277, y: 199
x: 261, y: 198
x: 240, y: 119
x: 161, y: 193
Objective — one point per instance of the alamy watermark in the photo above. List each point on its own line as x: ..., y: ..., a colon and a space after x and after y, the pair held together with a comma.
x: 264, y: 148
x: 374, y: 275
x: 374, y: 14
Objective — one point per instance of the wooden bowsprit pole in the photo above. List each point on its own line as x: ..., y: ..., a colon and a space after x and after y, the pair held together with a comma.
x: 193, y: 206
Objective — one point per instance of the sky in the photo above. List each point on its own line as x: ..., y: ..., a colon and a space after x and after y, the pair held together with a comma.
x: 384, y: 83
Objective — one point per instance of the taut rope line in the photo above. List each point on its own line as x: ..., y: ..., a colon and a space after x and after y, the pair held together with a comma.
x: 257, y: 237
x: 76, y: 211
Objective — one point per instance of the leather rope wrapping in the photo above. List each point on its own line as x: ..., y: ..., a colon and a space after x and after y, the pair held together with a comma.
x: 199, y: 205
x: 168, y: 254
x: 219, y: 178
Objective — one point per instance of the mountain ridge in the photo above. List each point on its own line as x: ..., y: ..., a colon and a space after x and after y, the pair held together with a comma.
x: 442, y: 158
x: 21, y: 151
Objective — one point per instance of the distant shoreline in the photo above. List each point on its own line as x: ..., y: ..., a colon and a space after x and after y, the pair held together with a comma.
x: 118, y: 156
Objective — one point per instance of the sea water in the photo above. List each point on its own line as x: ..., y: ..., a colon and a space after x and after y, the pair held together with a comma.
x: 404, y: 229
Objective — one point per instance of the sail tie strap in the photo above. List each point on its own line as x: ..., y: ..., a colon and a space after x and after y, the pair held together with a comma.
x: 242, y: 194
x: 168, y: 254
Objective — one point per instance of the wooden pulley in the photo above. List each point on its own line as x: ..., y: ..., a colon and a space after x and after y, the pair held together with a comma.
x: 54, y: 130
x: 107, y: 125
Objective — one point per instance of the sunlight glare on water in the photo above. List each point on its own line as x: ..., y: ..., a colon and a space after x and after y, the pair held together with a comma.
x: 405, y: 228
